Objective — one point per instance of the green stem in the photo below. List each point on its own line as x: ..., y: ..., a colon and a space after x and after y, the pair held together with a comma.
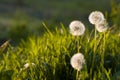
x: 95, y: 41
x: 78, y: 44
x: 93, y: 59
x: 78, y: 75
x: 103, y: 49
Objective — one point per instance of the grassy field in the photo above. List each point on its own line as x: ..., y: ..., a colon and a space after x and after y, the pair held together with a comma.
x: 39, y: 45
x: 49, y: 56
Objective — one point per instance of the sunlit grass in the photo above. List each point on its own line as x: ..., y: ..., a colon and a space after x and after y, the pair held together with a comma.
x: 51, y: 55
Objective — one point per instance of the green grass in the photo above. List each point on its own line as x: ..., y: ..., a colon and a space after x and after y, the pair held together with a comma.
x: 51, y: 55
x: 50, y: 46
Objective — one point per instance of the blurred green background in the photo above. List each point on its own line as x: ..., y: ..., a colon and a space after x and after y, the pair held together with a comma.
x: 22, y: 18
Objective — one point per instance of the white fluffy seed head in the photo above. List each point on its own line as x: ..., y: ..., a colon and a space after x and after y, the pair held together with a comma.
x: 77, y: 61
x: 118, y: 34
x: 96, y: 17
x: 102, y: 27
x: 27, y: 65
x: 77, y: 28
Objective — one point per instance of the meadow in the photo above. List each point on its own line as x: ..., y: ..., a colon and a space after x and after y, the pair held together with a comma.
x: 43, y: 52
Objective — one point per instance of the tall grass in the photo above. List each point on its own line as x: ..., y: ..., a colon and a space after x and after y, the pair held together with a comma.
x: 51, y: 55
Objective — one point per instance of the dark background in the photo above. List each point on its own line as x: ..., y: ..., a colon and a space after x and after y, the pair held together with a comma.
x: 22, y: 18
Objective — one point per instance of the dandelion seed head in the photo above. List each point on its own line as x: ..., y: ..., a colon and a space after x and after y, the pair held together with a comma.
x: 119, y: 34
x: 77, y: 61
x: 33, y: 64
x: 102, y: 27
x: 96, y: 17
x: 61, y: 31
x: 27, y: 65
x: 77, y: 28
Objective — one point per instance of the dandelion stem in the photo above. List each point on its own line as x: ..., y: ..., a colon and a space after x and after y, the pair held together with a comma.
x: 78, y: 75
x: 95, y: 40
x: 78, y: 44
x: 103, y: 48
x: 102, y: 57
x: 93, y: 59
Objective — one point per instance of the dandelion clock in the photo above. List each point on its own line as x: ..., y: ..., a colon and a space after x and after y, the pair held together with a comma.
x: 102, y: 27
x: 77, y: 61
x: 77, y: 28
x: 96, y: 17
